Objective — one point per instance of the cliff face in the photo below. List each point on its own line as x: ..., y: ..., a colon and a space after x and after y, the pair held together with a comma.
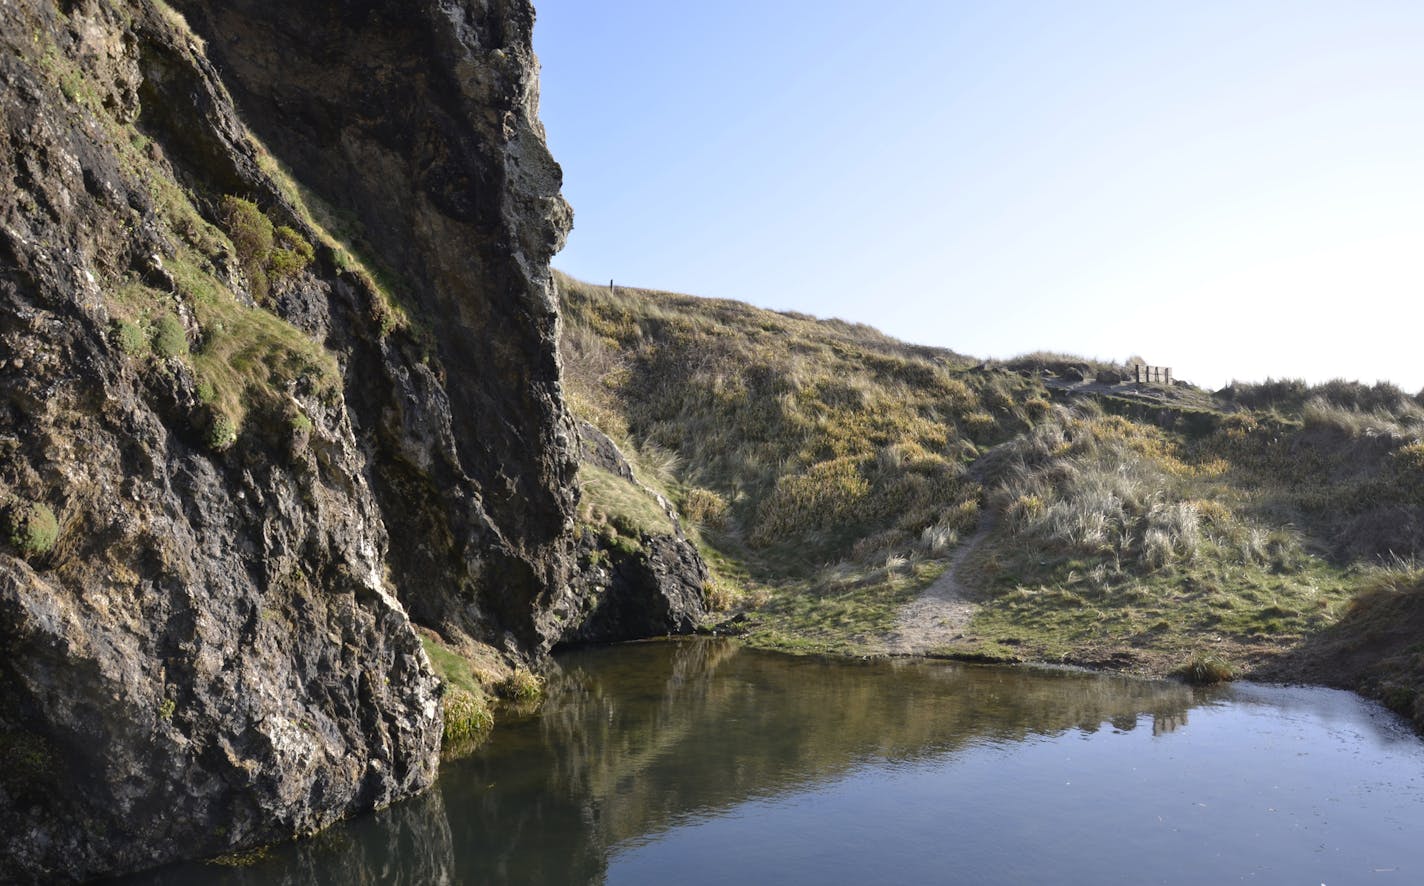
x: 418, y: 123
x: 231, y: 462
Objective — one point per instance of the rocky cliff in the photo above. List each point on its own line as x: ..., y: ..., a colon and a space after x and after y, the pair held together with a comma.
x: 249, y: 429
x: 417, y: 123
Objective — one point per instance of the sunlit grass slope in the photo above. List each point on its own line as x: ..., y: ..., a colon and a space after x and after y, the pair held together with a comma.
x: 815, y: 454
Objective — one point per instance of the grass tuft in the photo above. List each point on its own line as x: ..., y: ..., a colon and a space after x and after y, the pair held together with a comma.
x: 520, y: 686
x: 1206, y: 670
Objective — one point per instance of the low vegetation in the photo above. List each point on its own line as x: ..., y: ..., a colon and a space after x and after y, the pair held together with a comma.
x: 33, y: 528
x: 828, y: 471
x: 183, y: 310
x: 520, y: 686
x: 477, y: 686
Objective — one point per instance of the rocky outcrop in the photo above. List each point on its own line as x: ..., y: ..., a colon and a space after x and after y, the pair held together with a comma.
x: 630, y: 588
x: 597, y: 448
x: 418, y: 123
x: 651, y: 589
x: 228, y: 482
x: 203, y: 654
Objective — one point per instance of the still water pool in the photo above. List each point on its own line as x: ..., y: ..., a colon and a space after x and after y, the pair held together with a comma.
x: 703, y: 762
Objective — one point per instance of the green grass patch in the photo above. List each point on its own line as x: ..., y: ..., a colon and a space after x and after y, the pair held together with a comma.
x: 450, y: 666
x: 1072, y: 613
x: 33, y: 528
x: 169, y: 337
x: 520, y: 686
x: 468, y: 717
x: 843, y: 609
x: 247, y: 356
x: 610, y: 499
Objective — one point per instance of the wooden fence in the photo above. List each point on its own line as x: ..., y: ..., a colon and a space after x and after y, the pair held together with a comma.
x: 1152, y: 375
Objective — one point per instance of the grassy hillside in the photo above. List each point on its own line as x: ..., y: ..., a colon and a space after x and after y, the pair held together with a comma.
x: 823, y: 465
x: 830, y: 471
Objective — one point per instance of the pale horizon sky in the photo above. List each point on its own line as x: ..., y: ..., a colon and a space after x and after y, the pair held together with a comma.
x: 1232, y: 189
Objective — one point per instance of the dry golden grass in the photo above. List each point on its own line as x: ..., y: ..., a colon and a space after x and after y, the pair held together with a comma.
x: 797, y: 438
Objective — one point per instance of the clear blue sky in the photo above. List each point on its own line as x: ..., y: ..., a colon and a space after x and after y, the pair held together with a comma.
x: 1235, y: 189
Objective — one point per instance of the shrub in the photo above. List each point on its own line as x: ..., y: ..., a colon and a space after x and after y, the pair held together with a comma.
x: 268, y: 254
x: 252, y: 236
x: 466, y: 716
x: 289, y: 256
x: 622, y: 545
x: 719, y: 596
x: 826, y: 493
x: 169, y: 337
x: 222, y: 433
x: 1025, y: 510
x: 705, y: 506
x: 33, y: 528
x: 1408, y: 469
x: 938, y: 538
x: 979, y: 423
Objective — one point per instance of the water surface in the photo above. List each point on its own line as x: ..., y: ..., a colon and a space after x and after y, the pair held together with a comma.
x: 702, y: 762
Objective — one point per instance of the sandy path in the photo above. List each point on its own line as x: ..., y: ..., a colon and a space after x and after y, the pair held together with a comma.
x: 941, y: 613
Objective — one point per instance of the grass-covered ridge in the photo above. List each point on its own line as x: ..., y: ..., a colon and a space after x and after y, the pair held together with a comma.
x: 829, y: 471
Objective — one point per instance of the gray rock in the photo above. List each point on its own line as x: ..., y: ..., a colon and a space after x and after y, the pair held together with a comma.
x: 618, y: 593
x: 216, y: 650
x: 418, y: 121
x: 629, y: 595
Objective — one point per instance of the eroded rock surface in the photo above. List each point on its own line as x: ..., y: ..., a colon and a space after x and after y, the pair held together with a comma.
x: 651, y: 588
x: 222, y: 496
x: 418, y: 122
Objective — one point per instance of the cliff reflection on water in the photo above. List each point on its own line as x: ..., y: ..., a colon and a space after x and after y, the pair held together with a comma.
x: 701, y: 762
x: 662, y: 734
x: 635, y: 740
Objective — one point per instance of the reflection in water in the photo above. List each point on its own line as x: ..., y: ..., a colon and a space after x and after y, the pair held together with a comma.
x: 1164, y: 723
x: 649, y: 745
x: 634, y: 741
x: 406, y: 845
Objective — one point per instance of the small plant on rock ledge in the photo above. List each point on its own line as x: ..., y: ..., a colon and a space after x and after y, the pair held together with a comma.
x: 269, y: 254
x: 130, y: 338
x: 169, y: 337
x: 252, y: 236
x: 33, y: 528
x: 290, y: 255
x: 222, y: 433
